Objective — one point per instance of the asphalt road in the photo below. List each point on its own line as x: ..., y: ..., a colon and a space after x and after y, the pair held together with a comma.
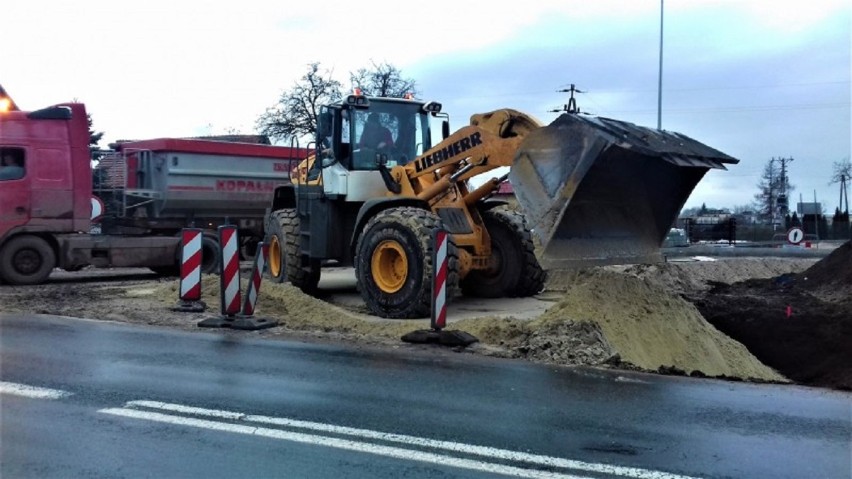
x: 94, y: 399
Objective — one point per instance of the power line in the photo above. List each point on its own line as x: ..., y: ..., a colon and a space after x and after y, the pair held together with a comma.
x: 670, y: 90
x: 812, y: 106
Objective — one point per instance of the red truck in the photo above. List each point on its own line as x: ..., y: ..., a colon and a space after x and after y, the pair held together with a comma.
x: 57, y: 210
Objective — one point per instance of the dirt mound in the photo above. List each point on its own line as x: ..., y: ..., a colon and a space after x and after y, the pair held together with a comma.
x: 799, y: 324
x: 831, y: 278
x: 834, y: 269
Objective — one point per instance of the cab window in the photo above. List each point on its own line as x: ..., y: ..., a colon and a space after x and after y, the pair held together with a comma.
x: 12, y: 163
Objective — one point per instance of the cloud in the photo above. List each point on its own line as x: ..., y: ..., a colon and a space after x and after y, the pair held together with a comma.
x: 754, y: 78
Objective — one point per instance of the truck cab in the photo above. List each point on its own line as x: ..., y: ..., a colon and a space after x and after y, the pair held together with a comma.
x: 46, y: 201
x: 45, y: 180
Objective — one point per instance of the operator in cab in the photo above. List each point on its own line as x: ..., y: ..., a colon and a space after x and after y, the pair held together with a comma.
x: 375, y: 135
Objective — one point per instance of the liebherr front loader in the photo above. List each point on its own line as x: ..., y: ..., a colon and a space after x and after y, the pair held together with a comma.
x: 592, y: 190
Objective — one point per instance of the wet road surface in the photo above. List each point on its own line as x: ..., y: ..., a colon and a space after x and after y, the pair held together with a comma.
x: 95, y: 399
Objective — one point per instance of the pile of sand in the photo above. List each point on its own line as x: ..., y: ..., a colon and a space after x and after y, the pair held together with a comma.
x: 652, y: 328
x: 297, y: 311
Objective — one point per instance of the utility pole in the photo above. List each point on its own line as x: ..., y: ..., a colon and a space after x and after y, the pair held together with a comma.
x: 571, y: 106
x: 660, y: 76
x: 783, y: 204
x: 772, y: 192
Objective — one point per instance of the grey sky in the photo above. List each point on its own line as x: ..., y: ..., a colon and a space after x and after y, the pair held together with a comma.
x: 753, y: 78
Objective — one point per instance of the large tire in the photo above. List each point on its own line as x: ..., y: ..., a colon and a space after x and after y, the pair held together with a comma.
x: 514, y: 269
x: 275, y: 264
x: 26, y: 260
x: 285, y: 262
x: 210, y: 255
x: 393, y: 263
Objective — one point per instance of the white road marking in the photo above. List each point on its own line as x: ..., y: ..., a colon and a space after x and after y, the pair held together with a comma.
x: 490, y: 452
x: 34, y: 392
x: 388, y: 451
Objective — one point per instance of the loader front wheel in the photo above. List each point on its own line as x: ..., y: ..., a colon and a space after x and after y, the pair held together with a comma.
x: 514, y: 270
x: 285, y: 259
x: 394, y: 264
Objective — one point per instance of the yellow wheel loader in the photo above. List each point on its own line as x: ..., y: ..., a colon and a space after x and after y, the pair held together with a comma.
x: 380, y: 180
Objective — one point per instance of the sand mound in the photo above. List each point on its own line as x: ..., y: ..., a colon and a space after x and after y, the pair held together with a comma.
x: 651, y: 328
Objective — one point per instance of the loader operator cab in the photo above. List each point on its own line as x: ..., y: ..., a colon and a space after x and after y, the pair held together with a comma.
x: 363, y: 132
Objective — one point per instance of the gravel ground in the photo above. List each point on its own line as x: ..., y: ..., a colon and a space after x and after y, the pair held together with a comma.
x: 636, y: 317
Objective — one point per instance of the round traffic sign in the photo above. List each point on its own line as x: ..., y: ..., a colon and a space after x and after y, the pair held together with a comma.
x: 795, y: 235
x: 97, y: 209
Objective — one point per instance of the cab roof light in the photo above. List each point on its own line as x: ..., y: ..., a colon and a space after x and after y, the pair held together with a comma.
x: 432, y: 107
x: 357, y: 101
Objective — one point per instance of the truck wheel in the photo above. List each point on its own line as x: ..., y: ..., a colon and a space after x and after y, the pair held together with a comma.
x: 285, y: 259
x: 210, y: 255
x: 26, y: 260
x: 393, y: 263
x: 514, y: 270
x: 248, y: 248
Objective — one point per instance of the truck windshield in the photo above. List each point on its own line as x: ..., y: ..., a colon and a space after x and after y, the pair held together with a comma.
x: 398, y: 129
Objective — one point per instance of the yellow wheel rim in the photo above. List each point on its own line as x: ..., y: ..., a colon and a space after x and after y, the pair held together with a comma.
x: 389, y: 266
x: 275, y: 256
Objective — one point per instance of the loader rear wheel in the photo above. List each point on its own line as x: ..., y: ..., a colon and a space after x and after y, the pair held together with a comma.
x: 514, y: 270
x: 394, y: 263
x: 285, y: 259
x: 26, y: 260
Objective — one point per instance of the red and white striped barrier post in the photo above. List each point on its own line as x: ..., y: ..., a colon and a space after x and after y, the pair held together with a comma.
x: 229, y: 269
x: 232, y: 316
x: 439, y: 280
x: 189, y: 296
x: 256, y: 275
x: 442, y: 250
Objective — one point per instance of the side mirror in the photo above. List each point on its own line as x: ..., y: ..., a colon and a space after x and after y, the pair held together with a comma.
x: 445, y: 128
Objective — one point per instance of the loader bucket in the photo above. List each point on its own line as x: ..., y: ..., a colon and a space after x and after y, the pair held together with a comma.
x: 600, y: 191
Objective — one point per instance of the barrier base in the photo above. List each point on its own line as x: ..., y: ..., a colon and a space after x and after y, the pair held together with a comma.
x: 216, y: 322
x: 190, y: 306
x: 442, y: 337
x: 244, y: 323
x: 250, y: 323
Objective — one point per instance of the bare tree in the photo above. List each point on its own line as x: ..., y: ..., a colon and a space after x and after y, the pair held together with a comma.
x: 841, y: 172
x: 295, y: 114
x: 384, y: 80
x: 770, y: 188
